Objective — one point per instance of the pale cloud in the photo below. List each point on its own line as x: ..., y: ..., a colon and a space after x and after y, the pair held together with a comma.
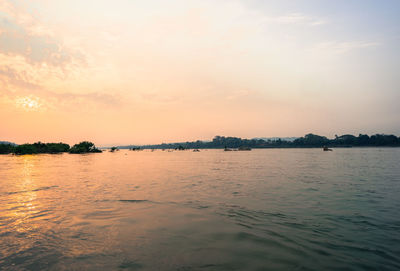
x: 15, y: 39
x: 10, y: 79
x: 96, y: 98
x: 338, y: 48
x: 16, y: 12
x: 18, y: 85
x: 160, y: 97
x: 296, y: 19
x: 238, y: 94
x: 47, y: 100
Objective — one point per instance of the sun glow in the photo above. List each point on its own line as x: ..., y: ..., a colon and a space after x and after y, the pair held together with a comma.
x: 28, y: 103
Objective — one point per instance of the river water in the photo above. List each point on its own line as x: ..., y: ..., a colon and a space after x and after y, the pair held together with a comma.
x: 265, y: 209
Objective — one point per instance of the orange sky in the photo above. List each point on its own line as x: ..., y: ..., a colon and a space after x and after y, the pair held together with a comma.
x: 128, y: 72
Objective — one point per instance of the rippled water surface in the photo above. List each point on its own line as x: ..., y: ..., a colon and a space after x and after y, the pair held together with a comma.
x: 288, y: 209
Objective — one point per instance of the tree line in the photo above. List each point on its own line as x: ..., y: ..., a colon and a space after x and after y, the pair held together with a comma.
x: 52, y: 148
x: 308, y: 141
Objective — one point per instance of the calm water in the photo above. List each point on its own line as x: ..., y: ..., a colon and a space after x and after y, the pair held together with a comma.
x: 288, y: 209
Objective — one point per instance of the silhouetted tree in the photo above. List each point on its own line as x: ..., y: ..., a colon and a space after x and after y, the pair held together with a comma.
x: 309, y: 140
x: 84, y: 147
x: 7, y: 148
x: 40, y: 147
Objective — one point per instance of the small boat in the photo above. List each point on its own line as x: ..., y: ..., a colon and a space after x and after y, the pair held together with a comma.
x: 227, y: 149
x: 196, y: 150
x: 327, y: 149
x: 244, y: 149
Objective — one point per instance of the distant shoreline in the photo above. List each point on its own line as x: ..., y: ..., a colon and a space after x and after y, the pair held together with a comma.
x: 218, y: 142
x: 308, y: 141
x: 282, y: 147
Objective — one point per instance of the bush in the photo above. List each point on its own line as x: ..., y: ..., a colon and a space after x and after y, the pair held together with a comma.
x: 84, y: 147
x: 6, y: 148
x: 40, y: 147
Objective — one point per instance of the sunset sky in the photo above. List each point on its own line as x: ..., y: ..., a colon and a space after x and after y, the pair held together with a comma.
x: 137, y: 72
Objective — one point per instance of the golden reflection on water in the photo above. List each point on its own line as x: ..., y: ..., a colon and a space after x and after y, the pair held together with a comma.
x: 23, y: 202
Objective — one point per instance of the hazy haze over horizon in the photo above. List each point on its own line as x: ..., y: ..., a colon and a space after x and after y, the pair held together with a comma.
x: 135, y: 72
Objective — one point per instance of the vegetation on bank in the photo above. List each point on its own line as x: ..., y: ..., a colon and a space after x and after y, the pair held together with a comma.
x: 113, y: 149
x: 7, y: 148
x: 218, y: 142
x: 39, y: 147
x: 84, y: 147
x: 308, y: 141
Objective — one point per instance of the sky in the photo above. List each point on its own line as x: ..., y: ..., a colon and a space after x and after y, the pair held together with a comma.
x: 145, y: 72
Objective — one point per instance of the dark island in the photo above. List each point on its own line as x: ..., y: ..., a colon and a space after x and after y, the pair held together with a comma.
x: 308, y: 141
x: 84, y: 147
x: 51, y: 148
